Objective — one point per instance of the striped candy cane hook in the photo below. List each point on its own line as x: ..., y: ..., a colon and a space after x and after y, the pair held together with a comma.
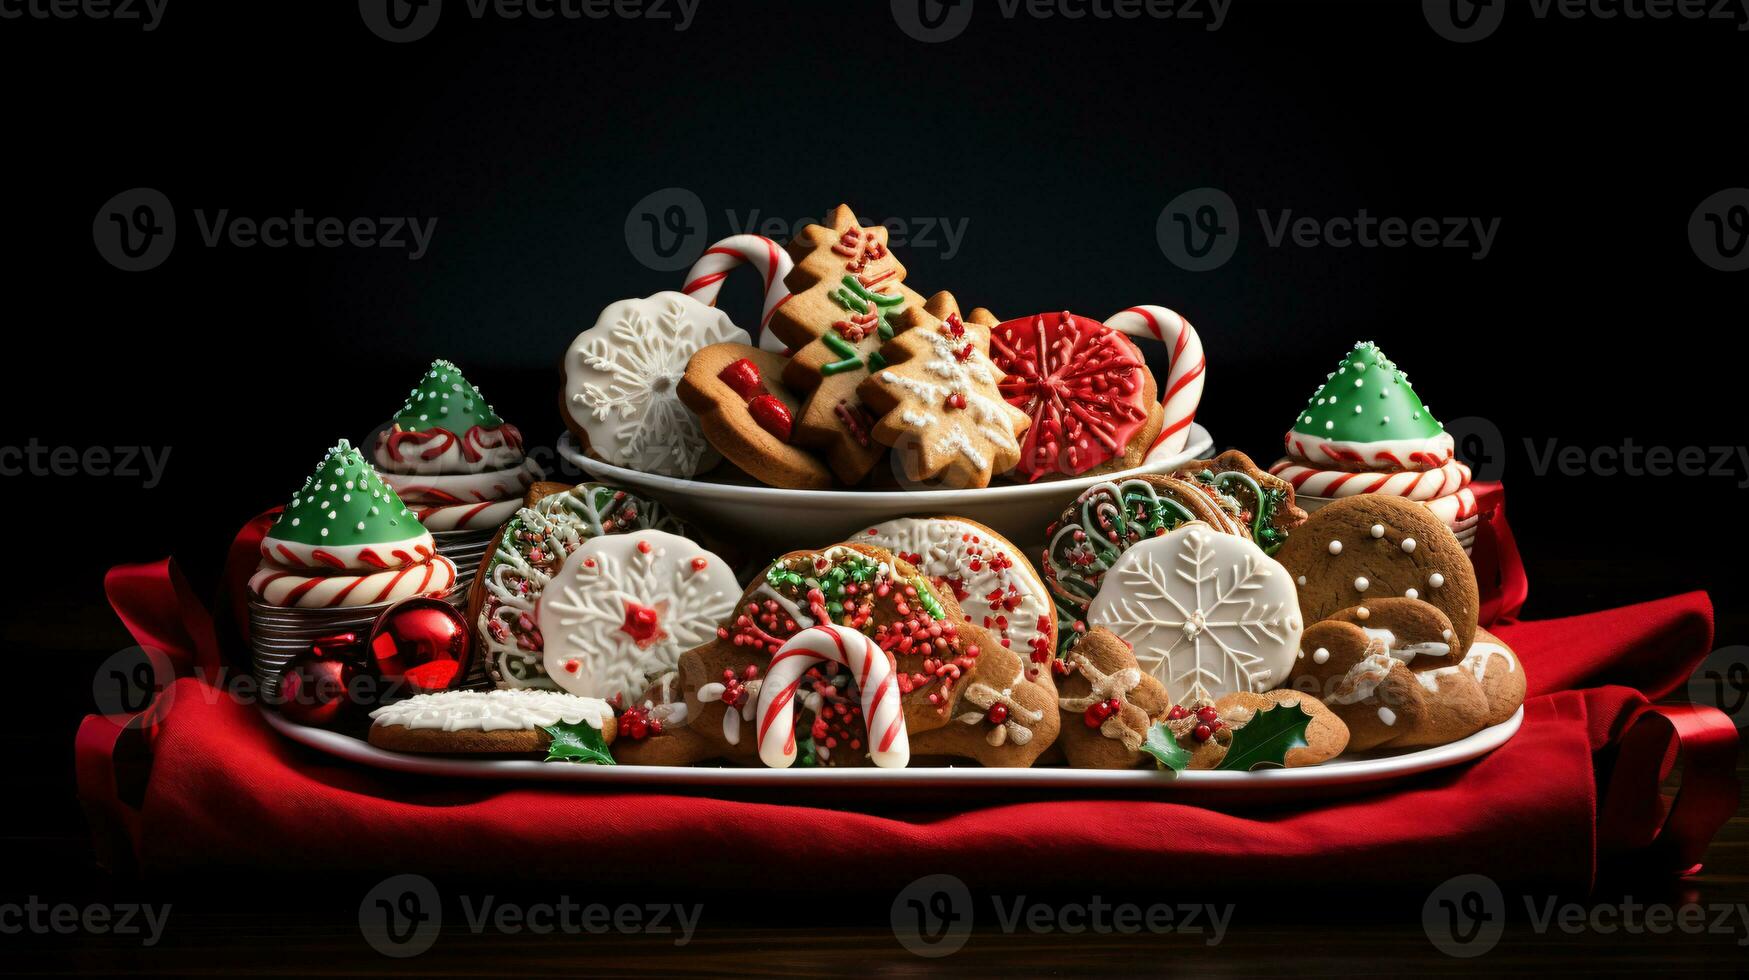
x: 1182, y: 390
x: 871, y: 667
x: 705, y: 279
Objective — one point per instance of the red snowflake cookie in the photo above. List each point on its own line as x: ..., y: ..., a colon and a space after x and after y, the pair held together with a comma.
x: 1083, y: 384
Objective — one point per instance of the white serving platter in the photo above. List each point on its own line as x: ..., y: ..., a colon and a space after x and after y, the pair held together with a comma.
x: 1344, y: 774
x: 788, y: 519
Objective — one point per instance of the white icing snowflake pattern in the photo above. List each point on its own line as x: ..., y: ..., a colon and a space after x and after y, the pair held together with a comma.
x: 956, y: 366
x: 625, y: 606
x: 1201, y: 607
x: 621, y: 376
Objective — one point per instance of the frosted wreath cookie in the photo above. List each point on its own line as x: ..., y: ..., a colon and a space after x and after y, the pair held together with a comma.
x: 621, y: 375
x: 1260, y: 504
x: 1358, y: 550
x: 451, y: 458
x: 749, y: 416
x: 345, y: 539
x: 712, y: 707
x: 1366, y: 431
x: 937, y: 400
x: 846, y: 293
x: 1202, y: 608
x: 623, y: 607
x: 995, y: 585
x: 1103, y: 522
x: 490, y: 723
x: 554, y: 522
x: 1092, y: 401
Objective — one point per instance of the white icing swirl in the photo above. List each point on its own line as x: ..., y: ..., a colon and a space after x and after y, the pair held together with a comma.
x: 493, y: 711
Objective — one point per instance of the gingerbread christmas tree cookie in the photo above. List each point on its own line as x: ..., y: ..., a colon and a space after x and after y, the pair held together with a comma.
x: 345, y: 517
x: 939, y: 401
x: 1368, y: 417
x: 847, y: 290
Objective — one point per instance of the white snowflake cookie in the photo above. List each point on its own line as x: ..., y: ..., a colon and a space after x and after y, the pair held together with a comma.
x: 1200, y: 607
x: 624, y: 607
x: 620, y: 379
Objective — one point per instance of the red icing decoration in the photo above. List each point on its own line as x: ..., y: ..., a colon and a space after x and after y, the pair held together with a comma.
x: 1082, y: 383
x: 743, y: 377
x: 643, y: 624
x: 772, y: 415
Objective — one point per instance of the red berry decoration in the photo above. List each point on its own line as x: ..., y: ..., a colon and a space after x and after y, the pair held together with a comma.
x: 1177, y: 713
x: 772, y: 415
x: 1203, y: 733
x: 997, y: 714
x: 743, y: 378
x: 423, y: 642
x: 1208, y: 714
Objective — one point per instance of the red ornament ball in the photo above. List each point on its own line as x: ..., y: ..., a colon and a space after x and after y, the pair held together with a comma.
x: 422, y: 642
x: 321, y: 690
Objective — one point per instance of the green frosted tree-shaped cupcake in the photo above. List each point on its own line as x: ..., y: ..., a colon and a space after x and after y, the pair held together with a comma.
x: 447, y: 427
x: 1368, y: 417
x: 345, y: 518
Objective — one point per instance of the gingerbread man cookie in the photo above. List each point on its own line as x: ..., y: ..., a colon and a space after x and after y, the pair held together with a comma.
x: 1006, y: 715
x: 938, y: 401
x: 1108, y: 703
x: 846, y: 291
x: 1360, y: 549
x: 623, y: 607
x: 1202, y: 608
x: 993, y: 582
x: 1086, y: 388
x: 749, y: 417
x: 621, y: 375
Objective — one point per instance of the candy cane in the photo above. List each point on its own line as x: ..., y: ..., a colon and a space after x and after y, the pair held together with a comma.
x: 1184, y: 376
x: 888, y: 744
x: 705, y: 279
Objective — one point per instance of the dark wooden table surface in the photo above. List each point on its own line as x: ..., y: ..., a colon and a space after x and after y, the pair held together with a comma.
x: 243, y: 923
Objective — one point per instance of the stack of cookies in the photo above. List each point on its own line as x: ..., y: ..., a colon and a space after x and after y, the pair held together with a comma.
x: 1367, y: 432
x: 456, y: 463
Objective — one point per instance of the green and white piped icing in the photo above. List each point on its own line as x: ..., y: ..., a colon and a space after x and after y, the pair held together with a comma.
x: 1367, y: 416
x: 445, y: 399
x: 346, y: 517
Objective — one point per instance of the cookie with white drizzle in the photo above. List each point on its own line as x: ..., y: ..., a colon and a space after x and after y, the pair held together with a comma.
x: 1361, y: 549
x: 553, y: 522
x: 1260, y: 504
x: 484, y: 722
x: 995, y: 585
x: 1101, y: 524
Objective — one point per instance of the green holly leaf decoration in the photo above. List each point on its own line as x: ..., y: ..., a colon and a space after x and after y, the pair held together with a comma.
x: 1164, y: 747
x: 1267, y: 738
x: 581, y: 743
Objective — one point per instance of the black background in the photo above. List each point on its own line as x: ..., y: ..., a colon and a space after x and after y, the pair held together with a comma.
x: 1058, y: 143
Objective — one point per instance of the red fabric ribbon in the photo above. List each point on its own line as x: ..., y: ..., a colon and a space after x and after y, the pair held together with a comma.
x: 1579, y: 784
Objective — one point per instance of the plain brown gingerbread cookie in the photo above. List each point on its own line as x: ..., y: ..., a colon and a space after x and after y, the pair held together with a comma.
x: 1370, y: 547
x: 1499, y: 672
x: 729, y: 426
x: 1326, y: 734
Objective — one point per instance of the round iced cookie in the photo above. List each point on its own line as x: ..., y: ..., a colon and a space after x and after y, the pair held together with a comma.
x: 621, y: 376
x: 523, y: 557
x: 344, y: 518
x: 1368, y: 417
x: 624, y: 607
x: 1085, y: 387
x: 485, y: 722
x: 1370, y: 547
x: 995, y: 585
x: 447, y: 427
x: 1104, y: 521
x: 1200, y: 607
